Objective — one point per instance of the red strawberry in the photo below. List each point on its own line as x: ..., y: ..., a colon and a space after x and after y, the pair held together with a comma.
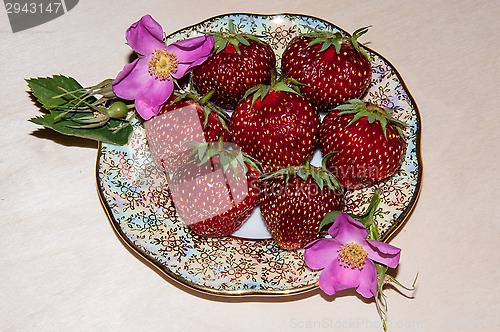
x: 294, y: 202
x: 367, y: 143
x: 332, y: 67
x: 185, y: 118
x: 276, y: 126
x: 217, y: 190
x: 240, y: 62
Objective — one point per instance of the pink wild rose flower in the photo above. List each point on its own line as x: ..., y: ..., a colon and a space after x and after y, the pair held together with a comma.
x: 347, y: 258
x: 148, y: 80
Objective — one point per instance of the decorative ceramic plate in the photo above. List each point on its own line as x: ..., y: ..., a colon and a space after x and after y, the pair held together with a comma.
x: 134, y: 192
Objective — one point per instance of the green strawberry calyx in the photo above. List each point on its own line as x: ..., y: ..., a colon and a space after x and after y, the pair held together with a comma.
x: 233, y: 37
x: 285, y: 84
x: 227, y: 154
x: 372, y: 112
x: 321, y: 175
x: 205, y: 104
x: 336, y: 39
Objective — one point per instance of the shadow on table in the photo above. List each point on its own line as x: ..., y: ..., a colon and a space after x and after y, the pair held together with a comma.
x: 49, y: 134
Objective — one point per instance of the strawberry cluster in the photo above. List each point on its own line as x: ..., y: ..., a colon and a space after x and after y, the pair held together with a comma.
x: 276, y: 122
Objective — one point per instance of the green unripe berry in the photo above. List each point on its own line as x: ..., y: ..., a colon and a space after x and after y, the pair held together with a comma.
x: 118, y: 110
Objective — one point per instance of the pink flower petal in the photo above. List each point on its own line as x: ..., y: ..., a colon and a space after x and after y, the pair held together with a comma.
x: 335, y: 278
x: 327, y: 280
x: 191, y: 53
x: 368, y: 280
x: 383, y: 253
x: 346, y: 229
x: 320, y: 253
x: 145, y: 110
x: 131, y: 79
x: 189, y: 50
x: 145, y: 35
x: 345, y: 277
x: 182, y: 69
x: 152, y: 96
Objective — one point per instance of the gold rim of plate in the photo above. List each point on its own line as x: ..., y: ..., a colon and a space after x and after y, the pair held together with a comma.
x: 183, y: 282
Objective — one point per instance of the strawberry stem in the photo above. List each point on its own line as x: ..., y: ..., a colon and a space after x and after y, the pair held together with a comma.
x: 206, y: 97
x: 368, y: 218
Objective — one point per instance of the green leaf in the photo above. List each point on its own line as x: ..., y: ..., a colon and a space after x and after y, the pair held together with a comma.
x: 329, y: 218
x: 361, y: 31
x: 75, y: 111
x: 325, y: 46
x: 345, y: 107
x: 205, y: 157
x: 371, y: 118
x: 337, y: 44
x: 368, y: 217
x: 301, y: 173
x: 225, y: 161
x: 247, y: 159
x: 294, y: 81
x: 325, y: 158
x: 315, y: 42
x: 333, y: 184
x: 202, y: 149
x: 252, y: 91
x: 261, y: 92
x: 242, y: 39
x: 355, y: 118
x: 356, y: 103
x: 383, y: 123
x: 231, y: 27
x: 236, y: 45
x: 52, y: 92
x: 354, y: 40
x: 220, y: 45
x: 256, y: 96
x: 206, y: 115
x: 104, y: 133
x: 254, y: 38
x: 319, y: 181
x: 281, y: 86
x: 234, y: 165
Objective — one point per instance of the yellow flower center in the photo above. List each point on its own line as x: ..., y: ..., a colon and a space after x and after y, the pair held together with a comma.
x: 162, y: 64
x: 352, y: 255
